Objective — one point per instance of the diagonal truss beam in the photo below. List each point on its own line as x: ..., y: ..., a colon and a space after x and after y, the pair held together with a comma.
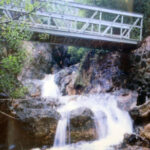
x: 85, y: 26
x: 131, y: 28
x: 110, y: 26
x: 65, y: 20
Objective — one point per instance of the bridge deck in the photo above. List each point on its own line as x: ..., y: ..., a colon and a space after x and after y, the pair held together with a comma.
x: 72, y: 21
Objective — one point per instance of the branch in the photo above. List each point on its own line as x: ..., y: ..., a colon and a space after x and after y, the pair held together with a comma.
x: 3, y: 113
x: 17, y: 17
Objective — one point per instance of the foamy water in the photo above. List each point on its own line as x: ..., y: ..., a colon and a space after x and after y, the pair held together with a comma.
x: 110, y: 121
x: 49, y: 87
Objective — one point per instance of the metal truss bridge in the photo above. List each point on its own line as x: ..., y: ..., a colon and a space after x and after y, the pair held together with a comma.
x: 81, y: 25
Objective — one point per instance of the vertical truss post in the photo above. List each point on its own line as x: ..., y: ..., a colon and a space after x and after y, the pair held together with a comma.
x: 131, y: 28
x: 141, y: 29
x: 122, y: 19
x: 76, y: 24
x: 92, y: 27
x: 49, y: 21
x: 111, y: 31
x: 100, y: 19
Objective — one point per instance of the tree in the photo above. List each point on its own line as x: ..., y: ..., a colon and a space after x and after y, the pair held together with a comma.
x: 76, y: 54
x: 113, y: 4
x: 138, y: 6
x: 11, y: 54
x: 144, y: 8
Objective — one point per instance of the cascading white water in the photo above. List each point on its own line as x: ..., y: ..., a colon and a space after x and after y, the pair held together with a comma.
x: 60, y: 138
x: 49, y: 87
x: 111, y: 122
x: 61, y: 131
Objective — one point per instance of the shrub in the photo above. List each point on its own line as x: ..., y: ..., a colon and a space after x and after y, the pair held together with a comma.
x: 76, y: 54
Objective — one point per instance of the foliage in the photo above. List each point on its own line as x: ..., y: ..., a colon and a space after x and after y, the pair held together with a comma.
x: 44, y: 36
x: 12, y: 34
x: 139, y: 6
x: 113, y: 4
x: 144, y: 9
x: 10, y: 67
x: 12, y: 56
x: 76, y: 53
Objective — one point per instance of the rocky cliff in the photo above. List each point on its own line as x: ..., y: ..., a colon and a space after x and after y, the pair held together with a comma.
x: 123, y: 74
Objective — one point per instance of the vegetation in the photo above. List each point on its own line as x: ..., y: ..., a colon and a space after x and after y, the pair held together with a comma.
x: 138, y: 6
x: 12, y: 55
x: 144, y: 8
x: 76, y: 54
x: 12, y: 34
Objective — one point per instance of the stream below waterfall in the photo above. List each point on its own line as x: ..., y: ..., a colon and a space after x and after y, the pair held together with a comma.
x: 111, y: 122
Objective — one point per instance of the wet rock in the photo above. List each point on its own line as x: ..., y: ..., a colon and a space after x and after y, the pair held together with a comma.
x: 61, y: 56
x: 125, y: 98
x: 4, y: 109
x: 146, y: 132
x: 146, y: 43
x: 66, y: 78
x: 82, y: 126
x: 129, y: 147
x: 139, y: 76
x: 102, y: 72
x: 141, y: 113
x: 39, y: 117
x: 3, y: 95
x: 141, y: 117
x: 38, y: 63
x: 42, y: 58
x: 137, y: 140
x: 33, y: 122
x: 141, y: 99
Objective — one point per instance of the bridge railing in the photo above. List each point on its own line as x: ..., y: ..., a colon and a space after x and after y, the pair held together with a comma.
x: 83, y: 19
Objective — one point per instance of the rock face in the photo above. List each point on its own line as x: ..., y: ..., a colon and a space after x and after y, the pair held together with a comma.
x: 42, y: 58
x: 140, y: 68
x: 65, y: 79
x: 38, y: 63
x: 34, y: 123
x: 102, y: 72
x: 82, y: 127
x: 137, y: 140
x: 141, y: 113
x: 125, y: 98
x: 141, y: 117
x: 146, y: 132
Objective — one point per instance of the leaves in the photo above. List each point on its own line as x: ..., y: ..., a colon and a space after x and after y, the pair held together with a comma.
x: 11, y: 55
x: 76, y: 53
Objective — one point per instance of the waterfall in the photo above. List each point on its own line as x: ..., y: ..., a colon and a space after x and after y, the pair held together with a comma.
x: 110, y: 121
x: 49, y: 87
x: 61, y: 131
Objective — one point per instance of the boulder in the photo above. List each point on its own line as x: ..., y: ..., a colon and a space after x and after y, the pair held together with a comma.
x: 137, y: 140
x: 141, y: 113
x: 146, y: 131
x: 125, y: 98
x: 66, y: 78
x: 82, y: 126
x: 30, y: 122
x: 43, y: 58
x: 133, y: 142
x: 102, y: 72
x: 141, y: 117
x: 38, y: 63
x: 3, y: 96
x: 129, y: 147
x: 139, y: 77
